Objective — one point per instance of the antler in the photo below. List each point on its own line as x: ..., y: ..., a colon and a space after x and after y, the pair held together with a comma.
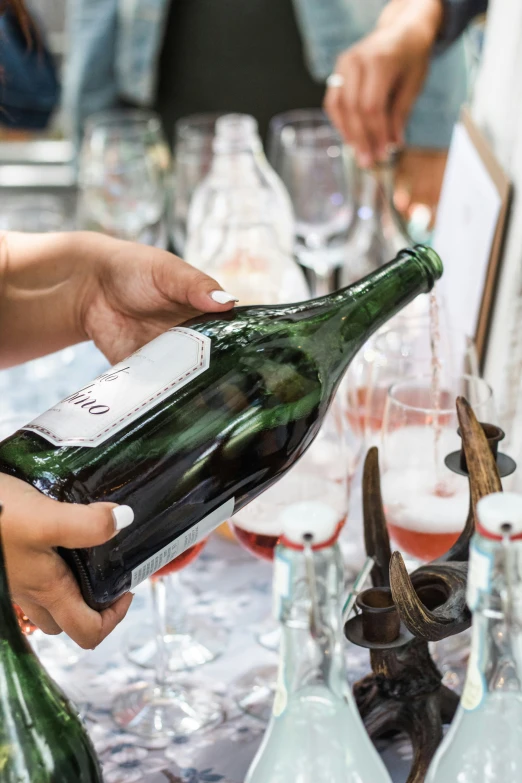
x: 376, y: 538
x: 483, y: 474
x: 432, y: 603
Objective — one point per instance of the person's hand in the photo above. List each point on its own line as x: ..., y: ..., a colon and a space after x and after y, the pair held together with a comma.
x: 61, y: 289
x: 381, y: 76
x: 32, y: 525
x: 132, y: 293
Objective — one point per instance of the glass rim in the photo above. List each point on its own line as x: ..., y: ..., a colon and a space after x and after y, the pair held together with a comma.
x: 123, y: 118
x: 296, y: 116
x: 195, y: 124
x: 417, y: 381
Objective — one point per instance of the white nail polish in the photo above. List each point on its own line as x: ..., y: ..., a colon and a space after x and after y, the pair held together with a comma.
x: 222, y: 297
x: 123, y: 517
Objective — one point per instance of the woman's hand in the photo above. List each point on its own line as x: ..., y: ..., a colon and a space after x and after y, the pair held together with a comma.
x: 132, y: 293
x: 381, y: 77
x: 32, y: 525
x: 60, y: 289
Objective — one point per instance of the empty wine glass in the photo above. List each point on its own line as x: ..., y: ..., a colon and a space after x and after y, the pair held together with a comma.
x: 192, y: 158
x: 308, y: 154
x: 190, y: 640
x: 426, y: 504
x: 164, y: 708
x: 123, y: 172
x: 320, y: 475
x: 33, y: 212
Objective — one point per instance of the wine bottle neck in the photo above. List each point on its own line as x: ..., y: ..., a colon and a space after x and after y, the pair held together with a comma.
x: 335, y: 327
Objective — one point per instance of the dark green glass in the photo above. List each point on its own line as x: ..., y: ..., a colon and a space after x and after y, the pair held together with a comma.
x: 231, y: 432
x: 42, y: 739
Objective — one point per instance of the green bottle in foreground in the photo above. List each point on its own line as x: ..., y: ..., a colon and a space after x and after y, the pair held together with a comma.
x: 204, y: 418
x: 42, y: 739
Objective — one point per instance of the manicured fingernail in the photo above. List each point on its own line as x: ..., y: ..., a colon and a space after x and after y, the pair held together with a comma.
x: 222, y: 297
x: 123, y: 517
x: 364, y: 160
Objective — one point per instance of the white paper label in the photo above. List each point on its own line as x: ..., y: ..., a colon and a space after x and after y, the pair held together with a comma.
x: 126, y: 391
x: 479, y: 575
x: 196, y: 533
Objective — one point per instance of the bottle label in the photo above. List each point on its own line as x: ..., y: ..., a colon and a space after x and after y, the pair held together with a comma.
x: 126, y: 391
x: 190, y: 538
x: 479, y: 574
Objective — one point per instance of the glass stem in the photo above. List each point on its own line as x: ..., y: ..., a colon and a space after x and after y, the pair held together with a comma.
x: 322, y: 279
x: 159, y: 613
x: 177, y: 616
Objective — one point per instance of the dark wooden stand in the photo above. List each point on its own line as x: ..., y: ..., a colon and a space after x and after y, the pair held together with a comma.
x: 404, y: 691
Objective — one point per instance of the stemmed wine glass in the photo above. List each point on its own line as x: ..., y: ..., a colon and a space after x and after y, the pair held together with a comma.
x: 123, y: 174
x: 165, y: 708
x: 189, y: 640
x: 401, y: 349
x: 307, y: 152
x: 192, y: 158
x: 426, y: 504
x: 320, y: 475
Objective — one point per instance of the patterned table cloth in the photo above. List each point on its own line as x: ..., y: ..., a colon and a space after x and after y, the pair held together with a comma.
x: 227, y: 585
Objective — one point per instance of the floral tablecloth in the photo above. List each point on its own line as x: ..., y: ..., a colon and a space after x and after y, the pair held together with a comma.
x: 225, y: 584
x: 228, y: 585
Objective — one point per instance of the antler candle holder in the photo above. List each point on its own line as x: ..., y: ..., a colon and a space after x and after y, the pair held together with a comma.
x: 400, y: 614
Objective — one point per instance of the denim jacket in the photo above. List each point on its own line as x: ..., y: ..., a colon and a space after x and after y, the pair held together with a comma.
x: 115, y: 47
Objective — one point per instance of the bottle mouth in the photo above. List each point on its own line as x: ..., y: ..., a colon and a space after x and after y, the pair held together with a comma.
x: 234, y: 132
x: 431, y: 263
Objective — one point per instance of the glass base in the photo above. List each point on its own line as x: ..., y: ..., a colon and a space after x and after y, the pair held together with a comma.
x: 201, y: 643
x: 269, y: 637
x: 156, y: 712
x: 254, y: 692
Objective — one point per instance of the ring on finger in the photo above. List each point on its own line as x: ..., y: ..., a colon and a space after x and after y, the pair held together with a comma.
x: 335, y: 80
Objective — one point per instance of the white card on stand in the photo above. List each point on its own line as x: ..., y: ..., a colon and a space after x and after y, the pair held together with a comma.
x: 467, y: 219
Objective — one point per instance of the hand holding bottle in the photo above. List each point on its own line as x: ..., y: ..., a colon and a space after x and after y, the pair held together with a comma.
x: 60, y: 289
x: 40, y: 581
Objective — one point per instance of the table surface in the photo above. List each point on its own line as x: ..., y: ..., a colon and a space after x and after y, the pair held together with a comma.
x: 225, y: 586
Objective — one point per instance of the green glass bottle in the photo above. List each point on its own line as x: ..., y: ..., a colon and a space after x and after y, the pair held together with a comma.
x: 42, y: 739
x: 203, y: 419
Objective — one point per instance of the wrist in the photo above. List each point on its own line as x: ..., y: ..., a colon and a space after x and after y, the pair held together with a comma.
x: 422, y: 18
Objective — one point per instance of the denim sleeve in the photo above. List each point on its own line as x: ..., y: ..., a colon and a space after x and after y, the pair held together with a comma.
x: 457, y: 15
x: 89, y: 80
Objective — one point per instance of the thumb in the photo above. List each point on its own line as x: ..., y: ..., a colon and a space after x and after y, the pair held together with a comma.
x: 184, y: 284
x: 72, y: 525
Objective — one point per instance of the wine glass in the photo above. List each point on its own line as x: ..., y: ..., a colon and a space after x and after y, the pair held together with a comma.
x: 33, y: 212
x: 189, y: 640
x: 308, y: 154
x: 402, y: 348
x: 192, y: 158
x: 164, y: 708
x: 123, y: 172
x: 426, y: 504
x: 320, y: 475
